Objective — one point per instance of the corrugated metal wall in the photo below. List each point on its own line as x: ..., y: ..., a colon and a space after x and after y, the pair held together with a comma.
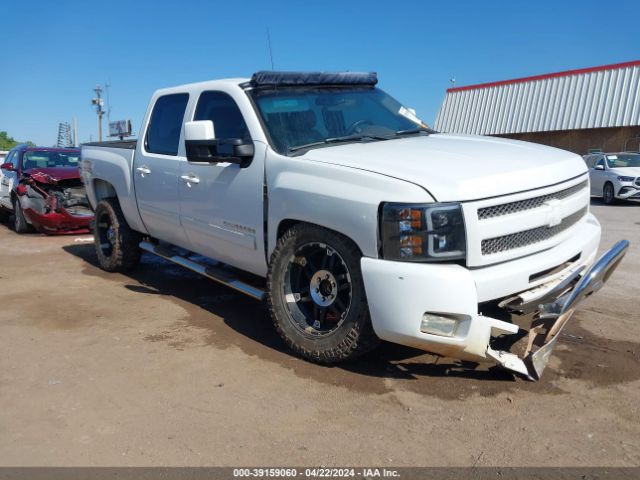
x: 597, y: 99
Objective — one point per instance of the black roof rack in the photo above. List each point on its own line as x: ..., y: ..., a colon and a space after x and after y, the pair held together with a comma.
x: 269, y: 78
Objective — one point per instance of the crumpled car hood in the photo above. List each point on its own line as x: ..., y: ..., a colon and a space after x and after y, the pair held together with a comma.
x: 54, y: 175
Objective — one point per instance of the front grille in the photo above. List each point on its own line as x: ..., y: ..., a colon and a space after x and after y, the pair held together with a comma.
x: 529, y: 203
x: 529, y: 237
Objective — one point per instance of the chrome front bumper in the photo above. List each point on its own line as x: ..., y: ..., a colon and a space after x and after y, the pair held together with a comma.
x: 554, y: 311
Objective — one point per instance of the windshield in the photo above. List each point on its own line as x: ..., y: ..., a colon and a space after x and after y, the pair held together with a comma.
x: 44, y: 159
x: 298, y: 117
x: 621, y: 160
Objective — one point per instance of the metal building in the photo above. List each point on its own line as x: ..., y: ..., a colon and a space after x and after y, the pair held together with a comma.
x: 581, y: 110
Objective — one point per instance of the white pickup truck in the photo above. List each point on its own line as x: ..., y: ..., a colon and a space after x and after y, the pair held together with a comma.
x: 323, y: 195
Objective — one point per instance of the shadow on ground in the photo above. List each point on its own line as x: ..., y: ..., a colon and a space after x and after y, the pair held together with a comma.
x: 246, y: 325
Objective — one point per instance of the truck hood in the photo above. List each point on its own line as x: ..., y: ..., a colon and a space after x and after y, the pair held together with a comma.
x: 458, y: 167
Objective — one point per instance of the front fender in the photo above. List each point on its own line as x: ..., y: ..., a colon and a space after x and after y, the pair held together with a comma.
x: 339, y: 198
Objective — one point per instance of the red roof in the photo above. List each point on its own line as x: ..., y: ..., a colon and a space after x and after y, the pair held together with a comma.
x: 566, y: 73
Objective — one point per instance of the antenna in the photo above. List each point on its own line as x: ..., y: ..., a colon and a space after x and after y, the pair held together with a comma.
x: 270, y: 51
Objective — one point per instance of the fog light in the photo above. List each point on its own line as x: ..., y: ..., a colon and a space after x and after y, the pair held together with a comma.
x: 438, y: 325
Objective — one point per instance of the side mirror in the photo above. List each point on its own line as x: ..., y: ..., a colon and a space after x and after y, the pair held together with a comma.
x: 7, y: 166
x: 202, y: 146
x: 199, y: 131
x: 599, y: 167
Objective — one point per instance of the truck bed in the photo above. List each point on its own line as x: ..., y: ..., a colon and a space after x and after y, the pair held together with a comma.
x: 128, y: 144
x: 114, y: 161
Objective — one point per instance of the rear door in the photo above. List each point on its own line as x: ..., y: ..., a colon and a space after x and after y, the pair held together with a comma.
x: 221, y: 204
x: 157, y: 167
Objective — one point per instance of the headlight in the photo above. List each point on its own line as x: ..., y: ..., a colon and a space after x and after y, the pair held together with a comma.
x: 423, y: 232
x: 622, y: 178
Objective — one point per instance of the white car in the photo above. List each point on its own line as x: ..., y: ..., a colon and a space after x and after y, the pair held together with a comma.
x: 614, y: 176
x: 356, y: 221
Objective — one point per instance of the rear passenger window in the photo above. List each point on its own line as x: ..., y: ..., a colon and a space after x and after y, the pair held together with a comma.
x: 163, y: 133
x: 222, y: 110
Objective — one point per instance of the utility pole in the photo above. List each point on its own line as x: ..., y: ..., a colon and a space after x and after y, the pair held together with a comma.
x: 107, y: 85
x: 99, y: 103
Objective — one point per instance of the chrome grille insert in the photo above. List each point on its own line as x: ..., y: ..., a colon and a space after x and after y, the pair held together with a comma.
x: 529, y: 237
x: 529, y: 203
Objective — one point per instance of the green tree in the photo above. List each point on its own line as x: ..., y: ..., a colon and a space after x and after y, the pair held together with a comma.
x: 7, y: 142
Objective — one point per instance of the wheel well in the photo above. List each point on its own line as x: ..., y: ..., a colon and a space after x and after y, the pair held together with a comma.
x: 288, y: 223
x: 103, y: 190
x: 284, y: 226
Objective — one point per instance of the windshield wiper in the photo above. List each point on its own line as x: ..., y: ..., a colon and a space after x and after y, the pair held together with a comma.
x: 412, y: 131
x: 345, y: 138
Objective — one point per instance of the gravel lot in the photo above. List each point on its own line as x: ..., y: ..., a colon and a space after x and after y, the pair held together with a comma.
x: 161, y: 367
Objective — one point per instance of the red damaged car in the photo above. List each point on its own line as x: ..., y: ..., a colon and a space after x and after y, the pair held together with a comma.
x: 42, y: 190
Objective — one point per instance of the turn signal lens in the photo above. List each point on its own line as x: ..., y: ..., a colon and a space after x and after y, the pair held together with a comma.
x: 410, y: 245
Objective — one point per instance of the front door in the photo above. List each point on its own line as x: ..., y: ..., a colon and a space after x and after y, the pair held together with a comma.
x: 221, y: 204
x: 597, y: 177
x: 157, y: 167
x: 8, y: 179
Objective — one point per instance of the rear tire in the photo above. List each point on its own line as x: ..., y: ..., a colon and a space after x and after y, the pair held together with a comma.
x: 608, y: 195
x: 117, y: 246
x: 316, y: 295
x: 20, y: 224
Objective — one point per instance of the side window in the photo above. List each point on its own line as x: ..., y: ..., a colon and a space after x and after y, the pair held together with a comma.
x: 600, y: 162
x: 163, y: 133
x: 590, y: 160
x: 223, y: 111
x: 10, y: 158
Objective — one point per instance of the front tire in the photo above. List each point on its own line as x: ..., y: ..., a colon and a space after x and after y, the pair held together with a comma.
x: 20, y: 224
x: 117, y: 246
x: 316, y: 296
x: 608, y: 195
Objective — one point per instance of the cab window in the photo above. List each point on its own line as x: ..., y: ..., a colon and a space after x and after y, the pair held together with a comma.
x: 223, y: 111
x: 163, y: 133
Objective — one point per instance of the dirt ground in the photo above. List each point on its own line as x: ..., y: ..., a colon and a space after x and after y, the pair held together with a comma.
x: 161, y: 367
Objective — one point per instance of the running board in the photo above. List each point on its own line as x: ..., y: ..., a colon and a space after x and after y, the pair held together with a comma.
x: 217, y: 274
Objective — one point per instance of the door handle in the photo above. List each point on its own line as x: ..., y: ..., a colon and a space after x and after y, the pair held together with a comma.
x: 190, y: 178
x: 143, y: 170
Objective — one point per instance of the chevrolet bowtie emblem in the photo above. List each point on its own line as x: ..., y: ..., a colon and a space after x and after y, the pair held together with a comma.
x: 554, y: 215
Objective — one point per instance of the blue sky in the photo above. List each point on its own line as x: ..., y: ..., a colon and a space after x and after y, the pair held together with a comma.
x: 55, y: 52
